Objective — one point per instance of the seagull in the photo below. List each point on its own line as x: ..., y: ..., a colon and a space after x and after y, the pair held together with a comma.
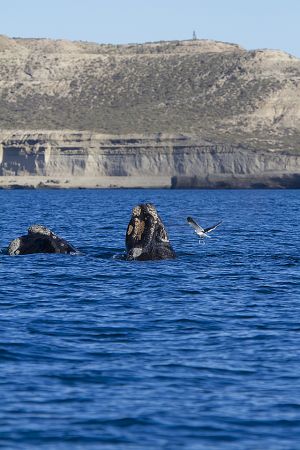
x: 201, y: 232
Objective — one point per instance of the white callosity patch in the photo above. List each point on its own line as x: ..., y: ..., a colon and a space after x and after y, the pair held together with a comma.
x: 14, y: 246
x: 40, y: 229
x: 136, y: 252
x: 136, y: 211
x: 152, y: 211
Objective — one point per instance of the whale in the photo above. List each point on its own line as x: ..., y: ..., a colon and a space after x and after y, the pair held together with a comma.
x: 39, y: 239
x: 146, y: 235
x: 146, y: 238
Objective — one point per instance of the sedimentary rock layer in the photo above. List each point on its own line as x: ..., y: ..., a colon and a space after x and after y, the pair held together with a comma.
x: 88, y: 159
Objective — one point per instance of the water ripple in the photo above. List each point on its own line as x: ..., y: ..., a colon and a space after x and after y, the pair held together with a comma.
x: 197, y: 353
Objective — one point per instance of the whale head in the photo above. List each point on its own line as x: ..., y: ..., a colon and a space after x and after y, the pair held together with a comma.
x: 146, y: 236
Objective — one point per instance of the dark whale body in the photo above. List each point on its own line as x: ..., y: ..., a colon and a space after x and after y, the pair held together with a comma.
x: 146, y: 236
x: 39, y: 239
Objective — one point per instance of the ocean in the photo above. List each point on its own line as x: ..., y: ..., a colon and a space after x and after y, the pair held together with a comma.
x: 197, y: 353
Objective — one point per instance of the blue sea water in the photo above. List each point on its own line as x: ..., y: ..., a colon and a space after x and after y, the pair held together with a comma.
x: 201, y: 352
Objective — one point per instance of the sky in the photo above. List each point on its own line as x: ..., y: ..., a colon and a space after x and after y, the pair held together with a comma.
x: 252, y: 23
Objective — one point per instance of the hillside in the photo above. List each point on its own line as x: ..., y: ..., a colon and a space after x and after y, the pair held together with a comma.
x: 202, y: 113
x: 217, y: 90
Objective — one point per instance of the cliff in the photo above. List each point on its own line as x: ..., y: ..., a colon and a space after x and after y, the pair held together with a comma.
x: 181, y: 113
x: 86, y: 159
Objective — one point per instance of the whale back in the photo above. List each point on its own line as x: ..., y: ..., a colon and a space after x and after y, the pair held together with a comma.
x: 39, y: 239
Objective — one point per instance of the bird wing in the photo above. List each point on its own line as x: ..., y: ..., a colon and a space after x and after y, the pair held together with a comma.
x: 207, y: 230
x: 194, y: 224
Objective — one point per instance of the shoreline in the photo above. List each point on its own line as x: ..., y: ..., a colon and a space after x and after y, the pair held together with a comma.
x: 266, y: 181
x: 105, y: 182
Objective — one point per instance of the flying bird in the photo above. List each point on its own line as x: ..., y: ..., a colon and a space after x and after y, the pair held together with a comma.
x: 201, y: 232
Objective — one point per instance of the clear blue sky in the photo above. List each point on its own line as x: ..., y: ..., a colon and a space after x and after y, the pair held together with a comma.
x: 250, y: 23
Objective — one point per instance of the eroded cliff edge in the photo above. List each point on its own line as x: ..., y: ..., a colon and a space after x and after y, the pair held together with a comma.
x: 85, y: 159
x: 181, y: 113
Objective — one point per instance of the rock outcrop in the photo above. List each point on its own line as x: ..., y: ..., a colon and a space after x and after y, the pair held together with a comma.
x: 183, y: 113
x: 74, y: 159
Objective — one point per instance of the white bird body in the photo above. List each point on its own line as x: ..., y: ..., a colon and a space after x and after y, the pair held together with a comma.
x: 201, y: 232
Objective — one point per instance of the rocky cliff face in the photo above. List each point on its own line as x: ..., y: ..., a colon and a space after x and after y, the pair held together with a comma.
x: 191, y: 110
x: 184, y: 160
